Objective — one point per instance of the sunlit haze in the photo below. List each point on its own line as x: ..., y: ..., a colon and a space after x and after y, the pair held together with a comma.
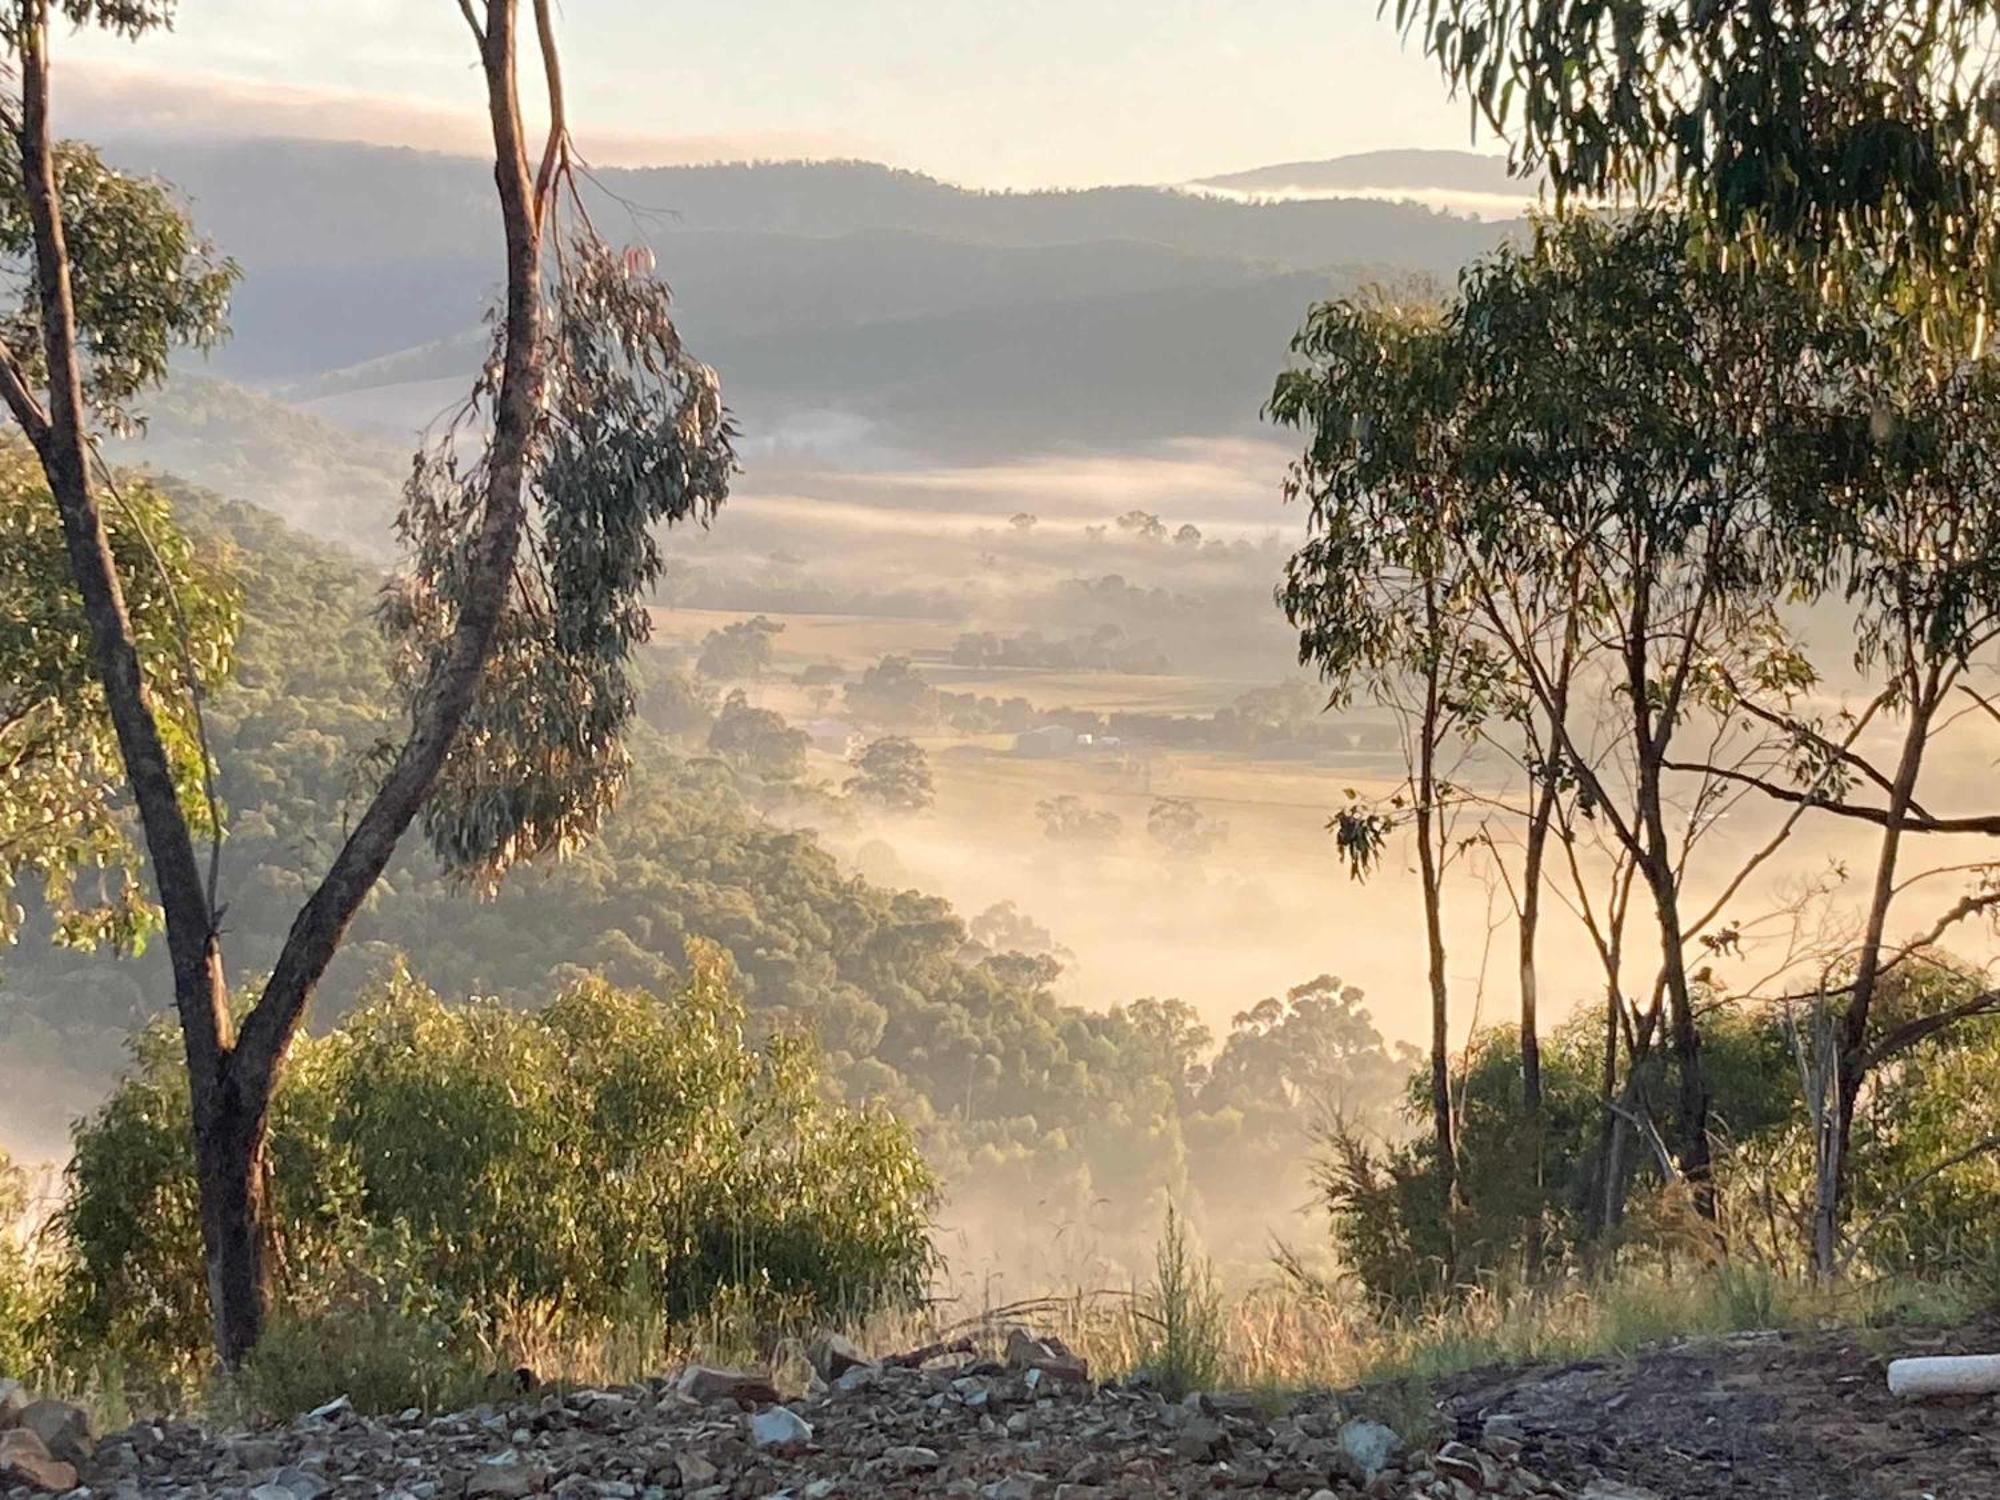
x: 1041, y: 93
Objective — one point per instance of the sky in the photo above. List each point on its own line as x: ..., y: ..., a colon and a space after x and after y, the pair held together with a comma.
x: 1028, y: 93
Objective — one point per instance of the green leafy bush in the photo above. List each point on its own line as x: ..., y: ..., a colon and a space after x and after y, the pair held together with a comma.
x: 1523, y: 1210
x: 455, y: 1163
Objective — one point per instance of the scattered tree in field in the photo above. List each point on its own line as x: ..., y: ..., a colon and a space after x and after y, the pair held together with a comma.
x: 893, y: 695
x: 738, y: 651
x: 1005, y: 928
x: 894, y: 773
x: 758, y: 740
x: 1316, y: 1051
x: 1144, y: 525
x: 1189, y: 535
x: 593, y: 426
x: 1179, y: 826
x: 1067, y: 819
x: 1378, y: 591
x: 680, y: 706
x: 1173, y: 1034
x: 1022, y: 521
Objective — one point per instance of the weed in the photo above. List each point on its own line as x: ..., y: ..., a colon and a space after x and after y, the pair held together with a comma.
x: 1184, y: 1312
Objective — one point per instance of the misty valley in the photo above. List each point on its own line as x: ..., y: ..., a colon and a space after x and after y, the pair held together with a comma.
x: 718, y: 825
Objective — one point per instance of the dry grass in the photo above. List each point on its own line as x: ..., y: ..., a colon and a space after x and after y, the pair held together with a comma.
x: 1278, y: 1339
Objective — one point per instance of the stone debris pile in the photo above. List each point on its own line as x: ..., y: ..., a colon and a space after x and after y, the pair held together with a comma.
x: 1028, y: 1426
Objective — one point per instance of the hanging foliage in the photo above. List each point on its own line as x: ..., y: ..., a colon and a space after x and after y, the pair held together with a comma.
x: 631, y: 436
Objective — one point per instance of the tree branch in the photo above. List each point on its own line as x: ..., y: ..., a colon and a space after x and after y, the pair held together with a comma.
x: 1906, y: 1036
x: 1911, y: 821
x: 449, y: 695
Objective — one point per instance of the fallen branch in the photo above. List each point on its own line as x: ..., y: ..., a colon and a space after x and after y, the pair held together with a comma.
x: 917, y: 1358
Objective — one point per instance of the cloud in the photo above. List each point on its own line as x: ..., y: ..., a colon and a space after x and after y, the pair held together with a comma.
x: 112, y: 99
x: 1493, y: 207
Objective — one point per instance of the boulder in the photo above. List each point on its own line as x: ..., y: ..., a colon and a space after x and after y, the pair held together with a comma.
x: 64, y: 1428
x: 706, y: 1385
x: 1024, y: 1485
x: 13, y: 1401
x: 25, y: 1460
x: 1201, y: 1439
x: 695, y: 1470
x: 779, y: 1427
x: 506, y: 1477
x: 1366, y: 1448
x: 1048, y: 1355
x: 832, y: 1355
x: 294, y: 1483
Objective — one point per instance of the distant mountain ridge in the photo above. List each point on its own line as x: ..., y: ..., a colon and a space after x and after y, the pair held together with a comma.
x: 939, y: 319
x: 353, y: 252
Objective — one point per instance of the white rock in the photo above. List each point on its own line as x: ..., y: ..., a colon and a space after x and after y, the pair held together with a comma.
x: 1368, y: 1446
x: 1945, y: 1375
x: 779, y: 1427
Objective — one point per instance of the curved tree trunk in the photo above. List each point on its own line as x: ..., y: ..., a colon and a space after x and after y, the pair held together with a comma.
x: 231, y: 1079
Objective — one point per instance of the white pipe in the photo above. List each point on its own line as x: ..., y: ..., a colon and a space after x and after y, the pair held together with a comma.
x: 1945, y: 1375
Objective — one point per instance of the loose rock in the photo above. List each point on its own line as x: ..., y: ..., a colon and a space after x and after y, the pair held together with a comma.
x: 25, y: 1460
x: 780, y: 1427
x: 64, y: 1428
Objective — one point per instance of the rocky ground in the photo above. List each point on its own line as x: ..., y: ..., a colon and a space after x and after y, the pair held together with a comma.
x: 1776, y: 1417
x: 1779, y: 1416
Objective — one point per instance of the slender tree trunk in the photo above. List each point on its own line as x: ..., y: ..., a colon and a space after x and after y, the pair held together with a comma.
x: 1429, y: 864
x: 1652, y: 731
x: 1441, y: 1114
x: 1533, y: 856
x: 1695, y: 1152
x: 1850, y: 1054
x: 1610, y: 1128
x: 1530, y: 924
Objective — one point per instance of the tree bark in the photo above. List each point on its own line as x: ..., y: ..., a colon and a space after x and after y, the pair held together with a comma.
x: 1652, y: 732
x: 229, y: 1133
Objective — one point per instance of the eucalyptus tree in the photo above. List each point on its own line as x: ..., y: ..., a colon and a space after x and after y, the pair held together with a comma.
x: 1840, y: 137
x: 1378, y: 589
x: 1616, y: 449
x: 1889, y: 488
x: 527, y: 525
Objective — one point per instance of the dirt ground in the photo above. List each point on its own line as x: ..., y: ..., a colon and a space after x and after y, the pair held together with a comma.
x: 1778, y: 1416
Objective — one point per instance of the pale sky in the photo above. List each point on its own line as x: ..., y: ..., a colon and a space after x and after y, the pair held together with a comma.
x: 1032, y: 92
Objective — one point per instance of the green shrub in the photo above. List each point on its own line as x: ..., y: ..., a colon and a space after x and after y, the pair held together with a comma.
x: 1184, y: 1315
x: 23, y: 1282
x: 1525, y: 1202
x: 450, y: 1163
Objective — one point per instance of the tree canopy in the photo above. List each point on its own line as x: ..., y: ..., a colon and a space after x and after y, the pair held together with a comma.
x: 63, y: 819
